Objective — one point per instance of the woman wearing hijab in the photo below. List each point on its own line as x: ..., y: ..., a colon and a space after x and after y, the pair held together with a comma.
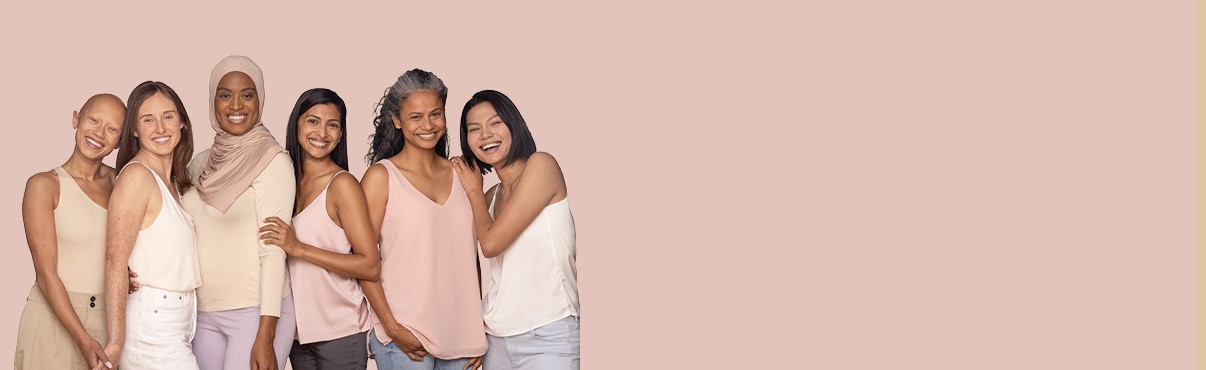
x: 245, y: 313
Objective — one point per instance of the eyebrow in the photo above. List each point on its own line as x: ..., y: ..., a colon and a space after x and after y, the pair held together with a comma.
x: 152, y: 114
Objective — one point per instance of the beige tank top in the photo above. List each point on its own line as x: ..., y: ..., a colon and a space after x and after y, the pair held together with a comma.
x: 79, y: 225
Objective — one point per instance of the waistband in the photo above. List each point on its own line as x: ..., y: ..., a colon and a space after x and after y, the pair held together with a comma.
x: 78, y: 300
x: 147, y: 294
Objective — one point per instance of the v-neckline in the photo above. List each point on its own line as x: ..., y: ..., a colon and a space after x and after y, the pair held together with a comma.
x: 412, y: 186
x: 320, y: 194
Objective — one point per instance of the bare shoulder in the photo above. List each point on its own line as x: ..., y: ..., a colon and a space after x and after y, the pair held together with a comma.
x: 135, y: 177
x: 375, y: 174
x: 42, y: 185
x: 542, y: 165
x: 344, y: 181
x: 543, y: 162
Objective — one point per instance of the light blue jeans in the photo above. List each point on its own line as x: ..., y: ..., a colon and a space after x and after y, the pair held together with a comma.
x: 553, y: 346
x: 390, y: 357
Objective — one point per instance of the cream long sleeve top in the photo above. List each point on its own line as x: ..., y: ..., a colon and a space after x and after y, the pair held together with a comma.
x: 237, y: 269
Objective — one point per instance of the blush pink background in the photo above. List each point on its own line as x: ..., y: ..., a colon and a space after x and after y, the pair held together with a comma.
x: 825, y: 185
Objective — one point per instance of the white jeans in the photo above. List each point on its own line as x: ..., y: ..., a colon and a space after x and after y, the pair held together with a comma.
x: 160, y: 325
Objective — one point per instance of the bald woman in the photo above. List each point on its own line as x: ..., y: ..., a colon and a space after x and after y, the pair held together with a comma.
x: 64, y: 210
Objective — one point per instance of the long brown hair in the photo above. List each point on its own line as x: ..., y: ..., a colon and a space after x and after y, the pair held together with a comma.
x: 127, y: 145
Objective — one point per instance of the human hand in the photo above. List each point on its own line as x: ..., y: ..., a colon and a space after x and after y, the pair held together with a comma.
x: 112, y: 352
x: 471, y: 177
x: 276, y: 232
x: 406, y: 341
x: 133, y: 283
x: 473, y: 364
x: 94, y: 355
x: 262, y: 355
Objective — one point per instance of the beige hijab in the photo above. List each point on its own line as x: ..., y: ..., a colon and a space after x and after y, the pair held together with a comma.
x: 234, y: 161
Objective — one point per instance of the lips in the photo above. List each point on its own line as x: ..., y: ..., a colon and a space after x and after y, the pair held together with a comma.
x: 427, y: 136
x: 490, y: 147
x: 162, y: 139
x: 236, y: 118
x: 93, y: 143
x: 319, y: 144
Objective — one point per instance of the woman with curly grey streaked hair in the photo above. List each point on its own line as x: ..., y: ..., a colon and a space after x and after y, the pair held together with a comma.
x: 427, y: 303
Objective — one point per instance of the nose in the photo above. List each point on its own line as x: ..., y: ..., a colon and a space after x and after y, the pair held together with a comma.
x: 237, y: 103
x: 160, y: 126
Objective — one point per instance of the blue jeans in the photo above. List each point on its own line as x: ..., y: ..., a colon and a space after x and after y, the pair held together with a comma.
x: 390, y: 357
x: 551, y: 346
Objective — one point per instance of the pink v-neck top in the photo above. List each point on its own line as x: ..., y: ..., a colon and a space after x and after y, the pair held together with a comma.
x: 428, y: 269
x: 328, y: 306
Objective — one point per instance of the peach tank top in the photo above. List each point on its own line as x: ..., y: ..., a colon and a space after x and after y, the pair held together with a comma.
x: 428, y: 269
x: 80, y: 232
x: 328, y: 306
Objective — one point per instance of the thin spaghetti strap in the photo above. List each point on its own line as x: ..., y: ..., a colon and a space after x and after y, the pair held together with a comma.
x: 332, y: 180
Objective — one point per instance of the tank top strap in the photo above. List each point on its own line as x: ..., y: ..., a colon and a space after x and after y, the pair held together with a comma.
x: 163, y: 189
x: 65, y: 177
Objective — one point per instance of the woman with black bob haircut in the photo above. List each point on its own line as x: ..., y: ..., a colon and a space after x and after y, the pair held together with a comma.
x: 531, y: 303
x: 522, y: 144
x: 330, y: 244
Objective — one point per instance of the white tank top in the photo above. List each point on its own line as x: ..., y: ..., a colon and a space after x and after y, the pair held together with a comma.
x: 535, y: 281
x: 165, y: 253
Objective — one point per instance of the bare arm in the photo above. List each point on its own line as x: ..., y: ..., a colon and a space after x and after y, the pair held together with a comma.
x: 37, y: 211
x: 347, y: 199
x: 132, y: 201
x: 541, y: 184
x: 376, y: 193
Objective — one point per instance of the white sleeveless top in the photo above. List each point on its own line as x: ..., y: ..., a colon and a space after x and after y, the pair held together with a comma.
x: 165, y: 253
x: 535, y: 281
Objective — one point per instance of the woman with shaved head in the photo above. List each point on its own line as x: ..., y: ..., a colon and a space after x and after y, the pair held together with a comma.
x: 63, y: 324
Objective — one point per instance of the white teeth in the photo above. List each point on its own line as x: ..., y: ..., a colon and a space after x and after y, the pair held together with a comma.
x: 319, y: 144
x: 490, y: 146
x: 93, y: 142
x: 427, y: 136
x: 162, y: 140
x: 238, y: 118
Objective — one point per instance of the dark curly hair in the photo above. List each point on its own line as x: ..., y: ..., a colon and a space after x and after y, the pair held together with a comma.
x: 387, y: 140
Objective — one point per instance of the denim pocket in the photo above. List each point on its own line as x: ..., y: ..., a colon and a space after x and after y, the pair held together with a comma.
x: 557, y: 331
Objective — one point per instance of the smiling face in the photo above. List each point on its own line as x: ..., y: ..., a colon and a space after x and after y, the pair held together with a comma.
x: 487, y: 135
x: 421, y: 119
x: 236, y: 103
x: 98, y: 126
x: 319, y: 130
x: 158, y: 125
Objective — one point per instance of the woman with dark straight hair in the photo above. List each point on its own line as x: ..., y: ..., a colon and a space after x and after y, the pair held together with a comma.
x: 428, y: 303
x: 525, y: 229
x: 149, y: 232
x: 331, y: 243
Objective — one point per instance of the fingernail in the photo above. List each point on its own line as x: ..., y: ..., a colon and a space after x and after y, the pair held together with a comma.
x: 109, y: 364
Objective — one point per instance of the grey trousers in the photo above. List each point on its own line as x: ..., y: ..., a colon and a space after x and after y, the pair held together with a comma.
x: 350, y: 352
